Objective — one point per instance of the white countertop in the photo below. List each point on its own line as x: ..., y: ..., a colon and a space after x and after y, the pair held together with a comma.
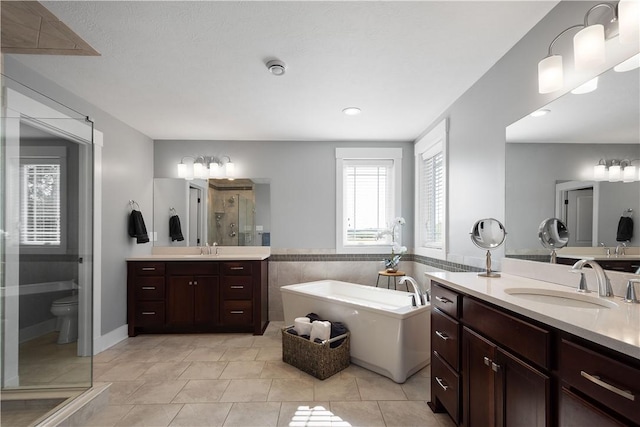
x: 617, y: 328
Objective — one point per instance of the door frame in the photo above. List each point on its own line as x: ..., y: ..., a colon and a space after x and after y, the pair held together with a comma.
x: 561, y: 192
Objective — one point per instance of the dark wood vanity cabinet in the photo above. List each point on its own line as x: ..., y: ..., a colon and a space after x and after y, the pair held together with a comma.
x: 197, y: 296
x: 510, y: 370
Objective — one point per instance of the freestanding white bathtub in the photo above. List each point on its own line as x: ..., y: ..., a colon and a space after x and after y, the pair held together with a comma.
x: 388, y: 335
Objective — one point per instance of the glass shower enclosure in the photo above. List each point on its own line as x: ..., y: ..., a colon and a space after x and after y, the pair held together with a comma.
x: 46, y: 252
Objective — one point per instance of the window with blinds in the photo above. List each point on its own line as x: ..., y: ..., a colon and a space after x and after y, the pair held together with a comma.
x: 368, y: 200
x: 40, y: 208
x: 431, y: 199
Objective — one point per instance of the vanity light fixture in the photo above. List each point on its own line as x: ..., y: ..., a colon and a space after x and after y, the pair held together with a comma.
x: 588, y: 44
x: 204, y: 167
x: 616, y: 170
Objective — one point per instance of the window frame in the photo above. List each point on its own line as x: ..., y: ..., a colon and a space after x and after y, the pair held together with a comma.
x: 433, y: 142
x: 42, y: 155
x: 346, y: 154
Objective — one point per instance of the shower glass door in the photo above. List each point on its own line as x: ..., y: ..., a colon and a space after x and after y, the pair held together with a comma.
x: 46, y: 248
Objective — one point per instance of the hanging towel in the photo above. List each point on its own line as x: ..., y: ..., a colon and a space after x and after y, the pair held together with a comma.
x: 175, y: 231
x: 625, y: 229
x: 137, y: 228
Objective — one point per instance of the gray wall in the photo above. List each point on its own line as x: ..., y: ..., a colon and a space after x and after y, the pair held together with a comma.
x: 127, y: 173
x: 303, y: 183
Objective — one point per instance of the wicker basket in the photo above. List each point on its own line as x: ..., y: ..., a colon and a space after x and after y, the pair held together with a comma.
x: 319, y: 360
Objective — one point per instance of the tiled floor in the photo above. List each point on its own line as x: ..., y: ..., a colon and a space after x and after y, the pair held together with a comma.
x: 240, y: 380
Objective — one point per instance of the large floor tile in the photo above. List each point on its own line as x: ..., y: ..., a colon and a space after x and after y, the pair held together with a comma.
x: 365, y: 414
x: 417, y: 388
x: 254, y: 414
x: 203, y: 371
x: 164, y: 371
x: 269, y: 353
x: 336, y: 388
x: 150, y: 415
x: 157, y: 392
x: 242, y: 369
x: 202, y: 414
x: 380, y: 388
x: 124, y: 372
x: 200, y: 391
x: 251, y: 390
x: 205, y: 354
x: 303, y: 413
x: 283, y: 390
x: 238, y: 354
x: 109, y: 416
x: 119, y: 391
x: 280, y: 369
x: 408, y: 413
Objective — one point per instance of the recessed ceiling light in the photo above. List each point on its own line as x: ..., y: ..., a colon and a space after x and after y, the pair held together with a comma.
x: 352, y: 111
x: 276, y: 67
x: 589, y: 86
x: 628, y: 65
x: 540, y: 113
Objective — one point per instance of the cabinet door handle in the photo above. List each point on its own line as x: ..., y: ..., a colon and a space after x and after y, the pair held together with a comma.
x: 148, y: 313
x: 443, y: 300
x: 236, y: 268
x: 237, y: 311
x: 195, y: 282
x: 148, y: 288
x: 442, y: 335
x: 487, y: 361
x: 190, y: 283
x: 627, y: 394
x: 237, y: 287
x: 495, y: 366
x: 148, y: 269
x: 442, y: 384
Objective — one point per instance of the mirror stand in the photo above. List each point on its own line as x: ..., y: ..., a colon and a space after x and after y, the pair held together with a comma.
x: 489, y: 273
x: 554, y: 257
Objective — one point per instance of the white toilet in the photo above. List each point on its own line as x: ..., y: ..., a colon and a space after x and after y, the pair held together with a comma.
x: 66, y: 309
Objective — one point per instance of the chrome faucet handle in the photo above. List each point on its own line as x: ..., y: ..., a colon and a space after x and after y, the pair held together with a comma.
x: 606, y: 248
x: 630, y: 295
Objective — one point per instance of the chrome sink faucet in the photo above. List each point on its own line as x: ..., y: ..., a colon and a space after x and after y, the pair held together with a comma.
x: 621, y: 248
x: 604, y: 285
x: 606, y: 248
x: 215, y: 245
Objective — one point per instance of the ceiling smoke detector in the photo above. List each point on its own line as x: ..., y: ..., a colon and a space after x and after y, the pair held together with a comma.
x: 276, y: 67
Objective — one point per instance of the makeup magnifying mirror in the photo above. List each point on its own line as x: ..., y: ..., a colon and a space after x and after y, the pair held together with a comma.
x: 488, y: 233
x: 553, y: 234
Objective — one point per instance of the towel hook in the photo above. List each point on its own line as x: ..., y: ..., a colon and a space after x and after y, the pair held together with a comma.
x: 628, y: 213
x: 172, y: 211
x: 133, y: 205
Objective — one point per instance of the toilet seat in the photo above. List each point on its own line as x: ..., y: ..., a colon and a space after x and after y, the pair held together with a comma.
x: 70, y: 300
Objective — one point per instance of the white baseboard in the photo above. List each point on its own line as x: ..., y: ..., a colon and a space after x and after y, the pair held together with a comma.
x: 110, y: 339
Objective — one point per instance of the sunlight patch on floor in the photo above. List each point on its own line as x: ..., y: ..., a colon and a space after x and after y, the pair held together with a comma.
x: 316, y: 416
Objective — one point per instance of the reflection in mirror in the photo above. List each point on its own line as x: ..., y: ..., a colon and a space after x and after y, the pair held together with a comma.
x: 488, y: 234
x: 553, y: 234
x: 225, y: 212
x: 546, y: 154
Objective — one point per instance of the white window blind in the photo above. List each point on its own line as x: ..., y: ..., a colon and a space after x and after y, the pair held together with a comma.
x: 432, y: 199
x: 40, y: 210
x: 368, y: 200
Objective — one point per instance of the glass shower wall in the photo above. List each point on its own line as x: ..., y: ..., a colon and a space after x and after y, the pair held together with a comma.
x: 232, y: 222
x: 46, y: 245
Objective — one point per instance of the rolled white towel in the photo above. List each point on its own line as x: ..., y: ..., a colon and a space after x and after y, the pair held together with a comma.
x: 320, y: 329
x: 302, y: 325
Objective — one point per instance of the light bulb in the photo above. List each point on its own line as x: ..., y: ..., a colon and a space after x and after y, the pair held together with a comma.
x: 614, y: 173
x: 588, y: 47
x: 600, y: 172
x: 629, y: 21
x: 182, y: 170
x: 629, y: 173
x: 550, y: 74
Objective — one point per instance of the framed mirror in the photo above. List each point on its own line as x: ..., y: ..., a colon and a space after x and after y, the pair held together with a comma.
x: 227, y: 212
x: 556, y: 154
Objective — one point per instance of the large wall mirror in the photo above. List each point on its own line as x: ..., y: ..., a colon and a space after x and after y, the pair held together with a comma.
x: 551, y: 158
x: 225, y: 212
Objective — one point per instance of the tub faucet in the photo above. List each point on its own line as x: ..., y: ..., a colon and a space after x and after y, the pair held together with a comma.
x: 417, y: 292
x: 604, y: 285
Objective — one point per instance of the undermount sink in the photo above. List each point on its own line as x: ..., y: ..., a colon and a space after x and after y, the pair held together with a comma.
x: 562, y: 298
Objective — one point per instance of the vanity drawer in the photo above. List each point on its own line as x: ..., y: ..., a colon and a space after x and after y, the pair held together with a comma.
x: 614, y: 384
x: 523, y: 338
x: 149, y: 288
x: 237, y: 312
x: 150, y: 314
x: 446, y: 300
x: 237, y: 268
x: 183, y: 268
x: 237, y: 288
x: 445, y: 384
x: 445, y: 333
x: 148, y: 268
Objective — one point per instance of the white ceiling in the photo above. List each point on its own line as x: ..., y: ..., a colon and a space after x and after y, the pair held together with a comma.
x: 196, y: 70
